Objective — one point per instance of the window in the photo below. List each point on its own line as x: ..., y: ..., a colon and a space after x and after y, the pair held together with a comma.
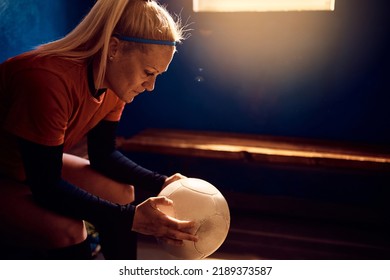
x: 262, y: 5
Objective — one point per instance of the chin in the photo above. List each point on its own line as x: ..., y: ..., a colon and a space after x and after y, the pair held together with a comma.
x: 129, y: 100
x: 126, y: 98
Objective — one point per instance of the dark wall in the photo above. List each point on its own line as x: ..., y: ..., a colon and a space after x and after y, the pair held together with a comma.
x: 303, y: 74
x: 25, y: 24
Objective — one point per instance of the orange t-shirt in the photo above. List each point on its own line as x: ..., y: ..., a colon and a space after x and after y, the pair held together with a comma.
x: 47, y: 100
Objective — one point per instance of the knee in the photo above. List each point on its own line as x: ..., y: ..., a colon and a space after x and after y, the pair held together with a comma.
x: 68, y: 233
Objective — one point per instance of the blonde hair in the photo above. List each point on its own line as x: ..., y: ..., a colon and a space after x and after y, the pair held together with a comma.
x: 134, y: 18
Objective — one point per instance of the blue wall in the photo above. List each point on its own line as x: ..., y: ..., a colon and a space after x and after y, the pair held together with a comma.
x: 302, y: 74
x: 25, y: 24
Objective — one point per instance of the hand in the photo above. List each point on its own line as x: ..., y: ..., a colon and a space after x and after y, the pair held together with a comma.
x: 173, y: 178
x: 149, y: 220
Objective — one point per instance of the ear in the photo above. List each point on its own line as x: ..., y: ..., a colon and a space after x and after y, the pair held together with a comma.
x: 113, y: 47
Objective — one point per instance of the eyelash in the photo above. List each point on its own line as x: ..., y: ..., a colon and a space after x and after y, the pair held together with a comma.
x: 149, y: 73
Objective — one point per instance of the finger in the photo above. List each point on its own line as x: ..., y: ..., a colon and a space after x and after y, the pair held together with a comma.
x: 178, y: 176
x: 170, y: 241
x: 173, y: 233
x: 160, y: 200
x: 188, y: 226
x: 180, y: 235
x: 182, y: 225
x: 173, y: 178
x: 172, y: 223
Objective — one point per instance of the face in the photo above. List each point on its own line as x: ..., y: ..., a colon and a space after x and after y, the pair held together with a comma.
x: 130, y: 73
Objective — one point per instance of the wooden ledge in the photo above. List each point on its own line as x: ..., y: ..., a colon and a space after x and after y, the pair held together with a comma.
x: 256, y: 148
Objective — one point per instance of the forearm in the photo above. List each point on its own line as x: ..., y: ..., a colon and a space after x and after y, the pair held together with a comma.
x: 107, y: 160
x: 117, y: 166
x: 69, y: 200
x: 43, y: 172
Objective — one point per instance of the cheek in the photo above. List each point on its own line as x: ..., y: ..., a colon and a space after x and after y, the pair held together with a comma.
x: 122, y: 80
x: 128, y: 78
x: 116, y: 80
x: 111, y: 77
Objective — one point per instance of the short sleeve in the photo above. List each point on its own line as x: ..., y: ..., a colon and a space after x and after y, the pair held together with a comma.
x: 40, y: 107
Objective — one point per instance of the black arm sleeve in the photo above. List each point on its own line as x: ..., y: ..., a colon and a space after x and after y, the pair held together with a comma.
x: 107, y: 160
x: 43, y: 166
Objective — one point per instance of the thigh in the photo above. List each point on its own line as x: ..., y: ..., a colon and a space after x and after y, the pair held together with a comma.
x: 77, y: 171
x: 23, y: 223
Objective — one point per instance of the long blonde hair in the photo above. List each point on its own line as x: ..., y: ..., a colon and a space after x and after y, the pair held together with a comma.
x: 133, y: 18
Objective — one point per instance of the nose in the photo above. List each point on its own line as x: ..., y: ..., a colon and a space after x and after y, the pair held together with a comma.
x: 149, y: 84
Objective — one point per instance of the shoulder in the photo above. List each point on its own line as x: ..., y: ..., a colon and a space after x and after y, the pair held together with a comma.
x: 42, y: 67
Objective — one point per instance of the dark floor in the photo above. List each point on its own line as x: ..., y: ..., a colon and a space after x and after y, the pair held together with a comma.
x: 273, y: 236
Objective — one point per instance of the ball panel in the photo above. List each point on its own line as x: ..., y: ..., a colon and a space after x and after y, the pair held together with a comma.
x: 185, y: 252
x: 199, y: 185
x: 168, y: 190
x: 221, y: 206
x: 212, y: 233
x: 191, y: 205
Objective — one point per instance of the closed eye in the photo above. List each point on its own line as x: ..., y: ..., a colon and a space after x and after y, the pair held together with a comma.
x: 148, y: 73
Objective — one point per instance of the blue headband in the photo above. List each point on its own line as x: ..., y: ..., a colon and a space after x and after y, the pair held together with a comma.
x: 145, y: 41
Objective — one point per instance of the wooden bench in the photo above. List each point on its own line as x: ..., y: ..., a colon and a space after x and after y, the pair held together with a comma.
x: 257, y: 148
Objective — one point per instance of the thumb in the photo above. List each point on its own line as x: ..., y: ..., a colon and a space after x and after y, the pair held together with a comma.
x: 162, y: 200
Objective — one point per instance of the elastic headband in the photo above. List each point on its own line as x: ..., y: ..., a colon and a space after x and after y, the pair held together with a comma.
x: 145, y: 41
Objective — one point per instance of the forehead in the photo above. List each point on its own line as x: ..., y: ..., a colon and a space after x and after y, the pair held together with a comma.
x: 158, y: 57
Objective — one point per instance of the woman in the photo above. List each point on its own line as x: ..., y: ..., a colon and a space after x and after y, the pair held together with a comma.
x: 53, y: 96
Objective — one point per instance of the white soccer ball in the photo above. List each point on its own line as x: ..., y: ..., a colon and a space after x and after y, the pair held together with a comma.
x: 197, y: 200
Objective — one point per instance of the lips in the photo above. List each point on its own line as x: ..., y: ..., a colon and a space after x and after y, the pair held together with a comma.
x: 137, y: 92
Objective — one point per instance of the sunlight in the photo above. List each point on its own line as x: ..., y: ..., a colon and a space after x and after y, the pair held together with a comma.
x: 262, y: 5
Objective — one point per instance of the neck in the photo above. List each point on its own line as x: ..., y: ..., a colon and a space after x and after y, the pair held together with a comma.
x: 92, y: 70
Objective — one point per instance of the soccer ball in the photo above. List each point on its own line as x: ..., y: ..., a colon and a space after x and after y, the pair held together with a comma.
x: 197, y: 200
